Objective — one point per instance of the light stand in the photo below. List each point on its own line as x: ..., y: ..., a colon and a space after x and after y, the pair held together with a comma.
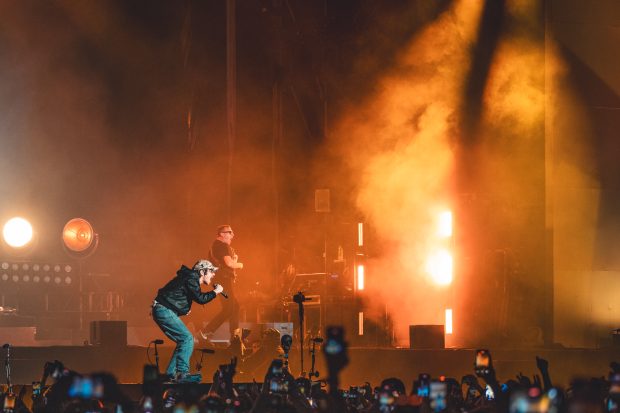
x: 300, y: 298
x: 7, y: 367
x: 314, y: 373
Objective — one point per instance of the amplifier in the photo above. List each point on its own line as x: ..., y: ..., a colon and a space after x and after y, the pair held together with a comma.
x: 108, y: 333
x: 426, y: 337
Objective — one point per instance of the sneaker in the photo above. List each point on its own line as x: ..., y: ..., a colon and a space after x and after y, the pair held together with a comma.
x: 168, y: 378
x: 189, y: 378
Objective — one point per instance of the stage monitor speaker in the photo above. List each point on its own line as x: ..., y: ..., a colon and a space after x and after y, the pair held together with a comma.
x: 108, y: 333
x: 426, y: 337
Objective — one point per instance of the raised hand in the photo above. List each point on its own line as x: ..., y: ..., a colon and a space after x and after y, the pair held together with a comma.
x: 542, y: 364
x: 524, y: 380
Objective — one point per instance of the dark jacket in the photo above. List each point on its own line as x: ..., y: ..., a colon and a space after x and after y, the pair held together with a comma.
x: 179, y: 293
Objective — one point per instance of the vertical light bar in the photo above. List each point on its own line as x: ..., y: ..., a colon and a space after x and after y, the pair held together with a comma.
x: 445, y: 224
x: 360, y: 277
x: 360, y: 323
x: 360, y: 234
x: 448, y: 321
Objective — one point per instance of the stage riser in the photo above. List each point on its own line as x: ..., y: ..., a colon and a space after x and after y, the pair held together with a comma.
x: 366, y: 364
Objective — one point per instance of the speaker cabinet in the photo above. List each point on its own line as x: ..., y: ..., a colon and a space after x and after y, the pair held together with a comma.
x: 426, y: 337
x: 108, y: 333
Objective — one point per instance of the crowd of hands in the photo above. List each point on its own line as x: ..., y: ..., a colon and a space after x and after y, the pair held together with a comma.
x: 280, y: 391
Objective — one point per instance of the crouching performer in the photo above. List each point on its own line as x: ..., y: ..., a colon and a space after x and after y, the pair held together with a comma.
x: 175, y: 300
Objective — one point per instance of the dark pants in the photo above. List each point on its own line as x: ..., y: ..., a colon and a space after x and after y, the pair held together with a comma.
x: 229, y: 311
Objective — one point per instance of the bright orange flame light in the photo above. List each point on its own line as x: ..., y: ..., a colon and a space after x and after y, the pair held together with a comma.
x: 448, y: 321
x: 360, y: 277
x: 445, y: 224
x: 439, y: 267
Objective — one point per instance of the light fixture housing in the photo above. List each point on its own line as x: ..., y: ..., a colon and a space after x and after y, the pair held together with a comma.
x: 79, y: 238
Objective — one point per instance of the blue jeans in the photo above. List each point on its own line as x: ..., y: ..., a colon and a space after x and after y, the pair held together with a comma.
x: 175, y: 330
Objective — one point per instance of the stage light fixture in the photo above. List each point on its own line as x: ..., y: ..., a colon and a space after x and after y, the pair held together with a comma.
x: 36, y: 279
x: 360, y: 323
x: 17, y: 232
x: 360, y: 234
x: 5, y: 277
x: 5, y: 265
x: 360, y: 277
x: 15, y: 278
x: 79, y: 237
x: 448, y: 322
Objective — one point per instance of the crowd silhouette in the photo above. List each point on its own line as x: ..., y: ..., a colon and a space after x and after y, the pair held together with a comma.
x: 63, y: 390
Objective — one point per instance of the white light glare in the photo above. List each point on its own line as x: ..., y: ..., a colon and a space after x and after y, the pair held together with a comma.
x: 439, y: 267
x: 445, y: 224
x: 17, y: 232
x: 360, y: 277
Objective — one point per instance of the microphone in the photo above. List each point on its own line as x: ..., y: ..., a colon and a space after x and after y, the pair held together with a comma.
x: 206, y: 350
x: 158, y: 341
x: 7, y: 345
x: 222, y: 293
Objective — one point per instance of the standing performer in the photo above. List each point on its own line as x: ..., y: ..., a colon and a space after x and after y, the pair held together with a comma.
x: 175, y: 300
x: 223, y: 255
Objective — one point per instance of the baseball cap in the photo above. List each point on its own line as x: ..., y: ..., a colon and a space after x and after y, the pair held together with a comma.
x: 204, y: 265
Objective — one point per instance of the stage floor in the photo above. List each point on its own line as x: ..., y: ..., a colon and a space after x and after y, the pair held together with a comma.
x: 366, y: 364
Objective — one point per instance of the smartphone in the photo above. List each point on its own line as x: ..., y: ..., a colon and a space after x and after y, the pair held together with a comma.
x: 276, y: 367
x: 423, y: 385
x: 36, y: 388
x: 488, y: 393
x: 482, y: 362
x: 438, y: 395
x: 81, y: 388
x: 521, y: 402
x: 278, y: 385
x: 614, y: 385
x: 9, y: 402
x: 386, y: 398
x: 334, y: 345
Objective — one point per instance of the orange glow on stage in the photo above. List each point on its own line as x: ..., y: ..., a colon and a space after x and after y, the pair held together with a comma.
x: 439, y: 267
x: 360, y: 277
x: 448, y: 323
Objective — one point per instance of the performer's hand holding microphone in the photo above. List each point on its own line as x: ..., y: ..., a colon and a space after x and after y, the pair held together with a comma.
x: 218, y: 289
